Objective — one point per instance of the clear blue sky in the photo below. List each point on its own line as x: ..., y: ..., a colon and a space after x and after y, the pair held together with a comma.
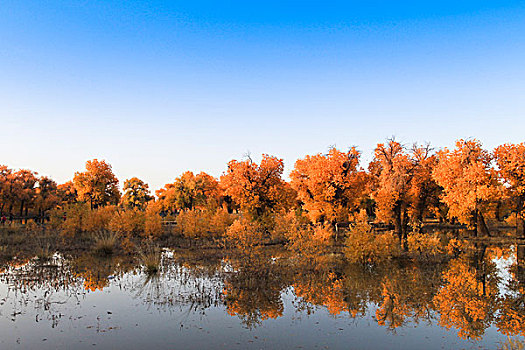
x: 160, y: 87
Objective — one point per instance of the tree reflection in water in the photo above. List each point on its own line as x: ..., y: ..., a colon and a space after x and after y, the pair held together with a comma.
x: 467, y: 293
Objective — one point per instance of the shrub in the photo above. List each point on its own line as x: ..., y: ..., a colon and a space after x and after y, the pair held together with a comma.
x: 301, y: 235
x: 244, y: 233
x: 128, y: 223
x: 153, y: 221
x: 220, y: 222
x: 70, y: 219
x: 424, y: 244
x: 365, y: 246
x: 99, y: 219
x: 193, y: 223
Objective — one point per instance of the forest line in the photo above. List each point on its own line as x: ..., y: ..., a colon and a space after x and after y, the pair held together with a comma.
x: 402, y: 188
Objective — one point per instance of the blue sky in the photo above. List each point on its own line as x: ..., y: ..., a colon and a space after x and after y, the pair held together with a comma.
x: 157, y: 88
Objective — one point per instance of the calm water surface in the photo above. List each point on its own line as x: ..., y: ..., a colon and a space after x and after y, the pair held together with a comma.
x: 265, y: 301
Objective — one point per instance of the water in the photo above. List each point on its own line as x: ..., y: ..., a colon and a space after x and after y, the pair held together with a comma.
x: 265, y: 301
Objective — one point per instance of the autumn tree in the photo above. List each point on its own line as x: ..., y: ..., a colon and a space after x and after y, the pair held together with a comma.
x: 97, y: 186
x: 189, y: 191
x: 67, y: 193
x: 510, y: 159
x: 403, y: 187
x: 469, y: 183
x: 25, y: 191
x: 258, y: 189
x: 136, y: 194
x: 7, y: 194
x: 330, y: 186
x: 47, y: 196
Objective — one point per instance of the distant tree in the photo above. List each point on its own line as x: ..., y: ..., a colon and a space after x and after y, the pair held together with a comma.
x: 6, y: 189
x: 67, y: 193
x: 189, y: 191
x: 97, y: 186
x: 25, y: 191
x: 258, y: 189
x: 47, y: 196
x: 136, y: 194
x: 510, y: 159
x: 330, y: 186
x: 470, y: 184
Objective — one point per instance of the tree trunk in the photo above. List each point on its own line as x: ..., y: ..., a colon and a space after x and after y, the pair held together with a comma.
x: 21, y: 210
x: 481, y: 226
x: 473, y: 226
x: 398, y: 226
x: 520, y: 226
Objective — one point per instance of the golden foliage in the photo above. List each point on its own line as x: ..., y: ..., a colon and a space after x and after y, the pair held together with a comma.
x: 258, y: 189
x: 330, y: 186
x: 467, y: 300
x: 136, y: 194
x: 97, y: 186
x: 99, y: 219
x: 424, y: 244
x: 469, y: 183
x: 127, y: 222
x: 403, y: 190
x: 153, y: 220
x: 245, y: 234
x: 363, y: 245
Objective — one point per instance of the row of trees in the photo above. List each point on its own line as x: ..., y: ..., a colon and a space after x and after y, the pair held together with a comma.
x: 402, y: 187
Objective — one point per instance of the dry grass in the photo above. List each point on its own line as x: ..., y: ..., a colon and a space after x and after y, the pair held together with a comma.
x: 150, y: 257
x: 105, y: 242
x: 43, y: 249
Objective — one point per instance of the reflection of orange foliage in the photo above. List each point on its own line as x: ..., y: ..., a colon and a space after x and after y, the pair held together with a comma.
x: 392, y: 310
x: 466, y: 301
x: 92, y: 283
x: 241, y: 303
x: 512, y: 319
x: 329, y: 293
x: 254, y: 295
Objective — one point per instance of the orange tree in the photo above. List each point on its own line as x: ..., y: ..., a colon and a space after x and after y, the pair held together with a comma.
x: 510, y: 159
x: 330, y: 186
x: 402, y: 186
x: 97, y: 186
x: 7, y: 189
x: 136, y: 194
x: 67, y: 193
x: 189, y: 191
x: 47, y: 197
x: 469, y: 183
x: 258, y: 189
